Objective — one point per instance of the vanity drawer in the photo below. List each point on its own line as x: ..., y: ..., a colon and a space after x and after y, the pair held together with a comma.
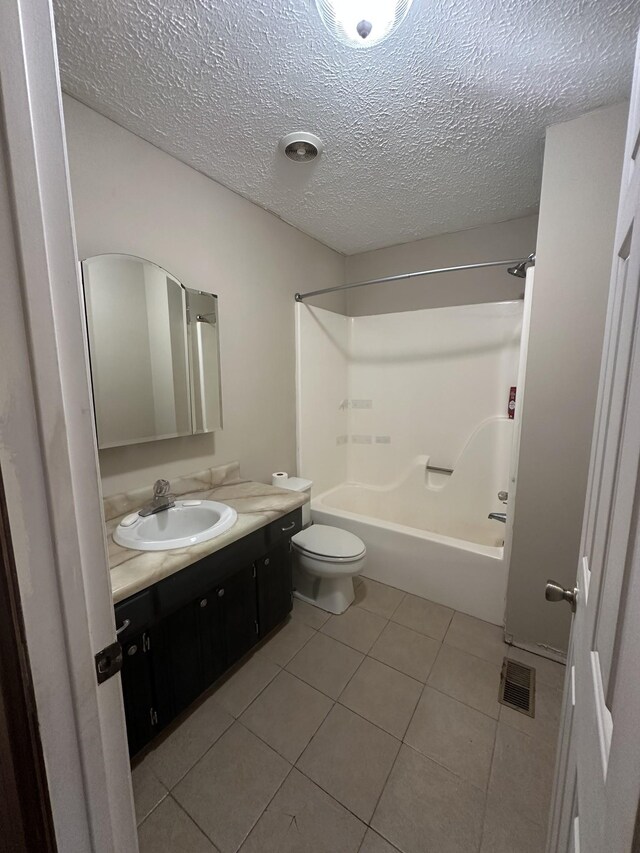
x: 134, y: 614
x: 284, y: 527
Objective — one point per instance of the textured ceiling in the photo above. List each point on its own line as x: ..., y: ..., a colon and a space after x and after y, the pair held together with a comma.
x: 439, y: 128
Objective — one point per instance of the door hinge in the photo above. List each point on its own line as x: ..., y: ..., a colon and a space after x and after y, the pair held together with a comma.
x: 257, y: 627
x: 146, y: 642
x: 108, y: 661
x: 255, y: 571
x: 153, y: 714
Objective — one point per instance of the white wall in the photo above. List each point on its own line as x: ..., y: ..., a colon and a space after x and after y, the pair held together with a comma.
x: 132, y: 198
x: 580, y: 188
x: 432, y: 377
x: 322, y: 341
x: 417, y: 383
x: 513, y: 239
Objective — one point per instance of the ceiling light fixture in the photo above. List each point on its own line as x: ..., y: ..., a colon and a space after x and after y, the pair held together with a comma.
x: 362, y: 23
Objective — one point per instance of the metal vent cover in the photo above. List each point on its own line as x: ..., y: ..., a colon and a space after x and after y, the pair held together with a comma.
x: 518, y: 687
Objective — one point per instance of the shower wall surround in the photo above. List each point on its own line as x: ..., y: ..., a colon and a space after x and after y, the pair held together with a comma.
x: 376, y: 392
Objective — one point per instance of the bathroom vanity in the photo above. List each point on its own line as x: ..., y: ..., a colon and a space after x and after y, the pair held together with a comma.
x: 184, y: 617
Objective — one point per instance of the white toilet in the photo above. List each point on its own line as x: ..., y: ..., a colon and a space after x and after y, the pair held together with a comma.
x: 326, y: 559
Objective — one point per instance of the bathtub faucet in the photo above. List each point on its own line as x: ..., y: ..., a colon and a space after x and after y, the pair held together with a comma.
x: 498, y: 516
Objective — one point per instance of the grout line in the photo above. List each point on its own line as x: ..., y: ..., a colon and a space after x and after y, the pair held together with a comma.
x: 379, y: 834
x: 275, y: 793
x: 231, y: 714
x: 266, y: 743
x: 194, y: 822
x: 329, y: 794
x: 383, y: 789
x: 457, y: 775
x: 462, y: 702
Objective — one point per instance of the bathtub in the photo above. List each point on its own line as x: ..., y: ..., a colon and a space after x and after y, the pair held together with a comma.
x: 428, y: 533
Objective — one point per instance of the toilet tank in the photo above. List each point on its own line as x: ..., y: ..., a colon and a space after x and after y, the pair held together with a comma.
x: 298, y: 484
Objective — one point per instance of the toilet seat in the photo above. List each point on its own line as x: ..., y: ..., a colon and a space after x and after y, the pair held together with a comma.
x: 329, y: 544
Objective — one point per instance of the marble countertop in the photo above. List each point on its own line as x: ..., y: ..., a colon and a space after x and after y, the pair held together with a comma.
x: 257, y: 504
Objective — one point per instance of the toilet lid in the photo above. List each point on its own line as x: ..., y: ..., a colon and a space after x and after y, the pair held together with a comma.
x: 328, y: 541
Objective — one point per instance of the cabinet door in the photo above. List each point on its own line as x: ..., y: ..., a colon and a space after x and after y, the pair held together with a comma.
x: 237, y: 597
x: 179, y: 665
x: 275, y: 587
x: 138, y: 692
x: 212, y: 647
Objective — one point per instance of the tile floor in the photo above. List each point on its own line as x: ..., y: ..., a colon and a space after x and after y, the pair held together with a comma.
x: 372, y: 732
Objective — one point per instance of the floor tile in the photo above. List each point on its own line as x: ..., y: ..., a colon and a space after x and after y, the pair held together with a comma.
x: 478, y: 638
x: 522, y: 774
x: 229, y: 788
x: 355, y: 627
x: 374, y: 843
x: 286, y: 642
x: 287, y: 714
x: 148, y: 790
x: 383, y: 696
x: 307, y: 613
x: 302, y: 818
x: 505, y: 832
x: 406, y: 650
x: 169, y: 830
x: 350, y: 759
x: 424, y: 807
x: 455, y: 735
x: 423, y: 616
x: 189, y: 741
x: 468, y: 679
x: 378, y: 597
x: 547, y: 707
x: 239, y: 690
x: 326, y: 664
x: 547, y: 671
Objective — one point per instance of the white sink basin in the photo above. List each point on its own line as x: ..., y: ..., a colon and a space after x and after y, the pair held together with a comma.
x: 187, y: 523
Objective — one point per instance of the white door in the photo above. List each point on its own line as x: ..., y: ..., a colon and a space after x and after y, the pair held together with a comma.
x: 597, y: 789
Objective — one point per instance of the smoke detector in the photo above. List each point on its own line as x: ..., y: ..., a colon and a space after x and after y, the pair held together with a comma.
x: 301, y: 147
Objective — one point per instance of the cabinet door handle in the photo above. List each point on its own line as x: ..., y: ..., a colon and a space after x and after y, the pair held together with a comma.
x: 123, y: 627
x: 220, y: 593
x: 288, y: 527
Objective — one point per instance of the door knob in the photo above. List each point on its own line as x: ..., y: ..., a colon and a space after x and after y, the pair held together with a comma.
x: 555, y: 592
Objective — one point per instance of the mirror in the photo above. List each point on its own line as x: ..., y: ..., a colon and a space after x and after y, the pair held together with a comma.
x: 154, y: 351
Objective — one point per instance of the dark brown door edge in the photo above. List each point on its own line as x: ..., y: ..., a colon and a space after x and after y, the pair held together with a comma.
x: 25, y: 809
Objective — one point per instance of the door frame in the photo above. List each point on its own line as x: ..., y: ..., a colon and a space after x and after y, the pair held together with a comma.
x: 48, y: 452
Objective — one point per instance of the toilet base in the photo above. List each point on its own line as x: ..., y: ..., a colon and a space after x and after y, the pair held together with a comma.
x: 331, y: 594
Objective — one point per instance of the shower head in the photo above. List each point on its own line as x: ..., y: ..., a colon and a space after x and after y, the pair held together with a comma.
x: 520, y: 270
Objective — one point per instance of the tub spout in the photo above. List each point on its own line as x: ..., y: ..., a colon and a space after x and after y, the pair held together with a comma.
x: 498, y: 516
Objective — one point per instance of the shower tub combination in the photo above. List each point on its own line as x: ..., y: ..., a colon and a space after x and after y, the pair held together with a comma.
x: 428, y: 533
x: 385, y: 402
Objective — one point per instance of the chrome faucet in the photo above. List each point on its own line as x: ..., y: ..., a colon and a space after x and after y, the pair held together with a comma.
x: 162, y: 499
x: 498, y: 516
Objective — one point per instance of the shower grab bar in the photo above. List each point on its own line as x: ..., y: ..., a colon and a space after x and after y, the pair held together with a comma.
x: 437, y: 470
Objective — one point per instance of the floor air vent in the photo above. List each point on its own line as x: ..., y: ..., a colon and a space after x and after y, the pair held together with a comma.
x: 518, y: 687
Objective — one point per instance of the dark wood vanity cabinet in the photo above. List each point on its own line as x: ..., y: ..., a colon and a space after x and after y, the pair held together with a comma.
x: 183, y: 633
x: 275, y: 590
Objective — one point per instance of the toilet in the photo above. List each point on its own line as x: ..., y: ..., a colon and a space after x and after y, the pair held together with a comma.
x: 326, y: 559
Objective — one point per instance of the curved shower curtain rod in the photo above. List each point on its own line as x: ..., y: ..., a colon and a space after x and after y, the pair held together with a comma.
x: 300, y: 297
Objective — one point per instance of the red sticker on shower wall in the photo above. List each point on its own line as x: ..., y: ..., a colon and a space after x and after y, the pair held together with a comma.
x: 511, y: 408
